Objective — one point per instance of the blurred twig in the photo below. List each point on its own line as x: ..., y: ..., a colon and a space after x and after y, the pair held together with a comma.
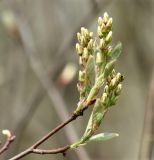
x: 147, y: 140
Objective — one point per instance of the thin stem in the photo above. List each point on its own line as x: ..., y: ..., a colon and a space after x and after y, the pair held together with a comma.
x: 7, y: 144
x: 33, y: 149
x: 53, y: 151
x: 73, y: 117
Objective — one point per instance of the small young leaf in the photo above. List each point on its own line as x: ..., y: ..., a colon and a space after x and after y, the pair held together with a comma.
x: 109, y: 67
x: 103, y: 137
x: 115, y: 53
x: 90, y: 74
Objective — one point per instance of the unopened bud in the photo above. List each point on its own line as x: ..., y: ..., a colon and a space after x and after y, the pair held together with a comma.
x: 104, y: 98
x: 100, y: 21
x: 85, y: 53
x: 109, y: 23
x: 83, y: 41
x: 82, y: 76
x: 106, y: 89
x: 79, y: 36
x: 113, y: 83
x: 108, y: 37
x: 118, y: 90
x: 79, y: 49
x: 91, y: 34
x: 99, y: 58
x: 119, y: 77
x: 106, y: 17
x: 90, y: 44
x: 102, y: 44
x: 80, y: 60
x: 103, y: 27
x: 82, y: 30
x: 99, y: 32
x: 7, y: 133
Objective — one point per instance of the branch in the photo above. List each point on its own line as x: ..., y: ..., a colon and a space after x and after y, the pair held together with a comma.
x: 9, y: 140
x: 33, y: 149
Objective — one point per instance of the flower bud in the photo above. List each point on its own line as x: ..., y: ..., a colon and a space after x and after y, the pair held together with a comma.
x: 106, y: 17
x: 103, y: 27
x: 118, y: 90
x: 104, y: 98
x: 79, y: 36
x: 91, y: 34
x: 79, y: 49
x: 82, y: 76
x: 119, y: 77
x: 7, y: 133
x: 99, y: 32
x: 109, y: 23
x: 108, y: 37
x: 113, y: 83
x: 90, y: 44
x: 82, y: 30
x: 80, y: 60
x: 106, y: 89
x: 102, y: 44
x: 99, y: 58
x: 85, y: 53
x: 100, y: 21
x: 83, y: 41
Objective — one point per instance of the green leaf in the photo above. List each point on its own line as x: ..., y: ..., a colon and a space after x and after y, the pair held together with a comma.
x: 115, y: 53
x: 109, y: 67
x: 90, y: 74
x: 103, y: 137
x: 95, y: 120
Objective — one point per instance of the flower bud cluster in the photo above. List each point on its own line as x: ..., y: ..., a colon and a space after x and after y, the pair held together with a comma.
x: 105, y: 27
x: 84, y: 49
x: 112, y: 89
x: 104, y: 31
x: 85, y: 46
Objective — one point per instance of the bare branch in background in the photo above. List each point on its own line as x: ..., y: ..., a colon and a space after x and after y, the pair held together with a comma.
x: 147, y: 141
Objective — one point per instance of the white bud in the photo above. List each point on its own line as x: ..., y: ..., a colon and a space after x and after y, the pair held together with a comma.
x: 100, y: 21
x: 104, y: 98
x: 85, y: 53
x: 91, y: 34
x: 118, y: 89
x: 106, y: 17
x: 106, y: 89
x: 79, y: 49
x: 7, y: 133
x: 109, y: 23
x: 108, y: 37
x: 99, y: 32
x: 79, y: 36
x: 99, y: 58
x: 102, y: 44
x: 82, y: 76
x: 113, y: 82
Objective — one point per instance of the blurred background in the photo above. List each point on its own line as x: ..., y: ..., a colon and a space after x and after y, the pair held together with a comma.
x: 38, y: 76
